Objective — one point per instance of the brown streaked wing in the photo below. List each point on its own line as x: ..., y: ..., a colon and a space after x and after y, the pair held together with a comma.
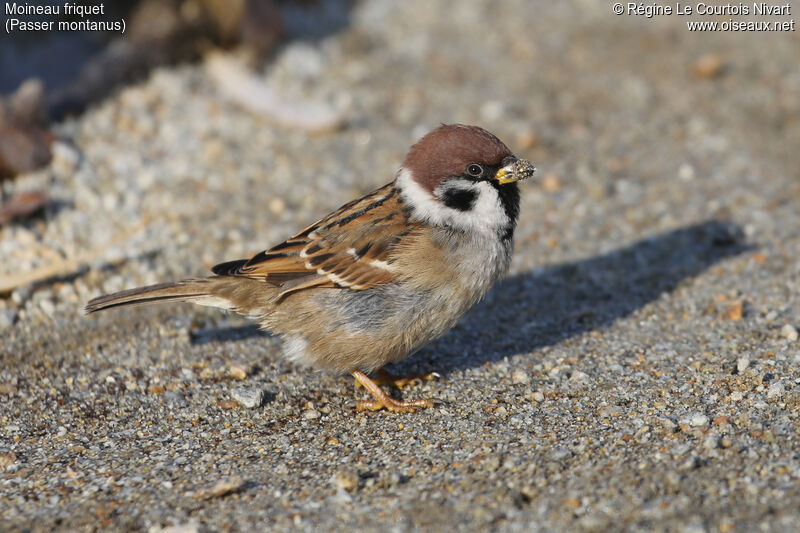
x: 340, y: 250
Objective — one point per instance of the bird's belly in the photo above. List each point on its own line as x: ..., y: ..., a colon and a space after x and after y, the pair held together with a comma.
x: 370, y: 328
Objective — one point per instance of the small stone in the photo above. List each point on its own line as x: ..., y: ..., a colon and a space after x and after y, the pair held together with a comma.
x: 537, y: 396
x: 698, y: 420
x: 7, y: 318
x: 579, y: 377
x: 527, y: 139
x: 737, y: 396
x: 7, y: 459
x: 492, y: 110
x: 721, y: 420
x: 742, y: 363
x: 182, y: 528
x: 346, y: 479
x: 690, y: 463
x: 520, y: 376
x: 249, y: 397
x: 695, y: 527
x: 789, y: 332
x: 735, y: 310
x: 47, y: 306
x: 710, y: 442
x: 65, y: 158
x: 775, y: 390
x: 608, y: 410
x: 551, y: 183
x: 312, y: 414
x: 725, y: 442
x: 686, y: 172
x: 175, y: 400
x: 708, y: 66
x: 238, y: 371
x: 20, y: 295
x: 277, y: 206
x: 667, y: 423
x: 222, y: 487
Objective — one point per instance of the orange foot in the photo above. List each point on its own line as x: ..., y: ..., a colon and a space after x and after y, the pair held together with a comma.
x: 387, y: 378
x: 383, y: 400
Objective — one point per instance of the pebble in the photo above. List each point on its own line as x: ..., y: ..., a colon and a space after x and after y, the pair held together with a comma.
x: 520, y: 376
x: 698, y: 420
x: 690, y: 463
x: 776, y: 390
x: 742, y: 363
x: 695, y: 527
x: 492, y: 110
x: 312, y: 414
x: 249, y: 397
x: 7, y: 459
x: 222, y: 487
x: 789, y: 332
x: 181, y: 528
x: 666, y: 423
x: 65, y: 158
x: 47, y: 306
x: 238, y: 371
x: 174, y: 400
x: 579, y: 378
x: 551, y: 183
x: 7, y: 318
x: 346, y: 479
x: 708, y: 66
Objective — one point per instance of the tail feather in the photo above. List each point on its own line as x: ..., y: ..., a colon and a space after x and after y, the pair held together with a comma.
x: 188, y: 290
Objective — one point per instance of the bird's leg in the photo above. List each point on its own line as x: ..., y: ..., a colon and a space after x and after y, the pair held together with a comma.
x: 383, y: 400
x: 385, y: 377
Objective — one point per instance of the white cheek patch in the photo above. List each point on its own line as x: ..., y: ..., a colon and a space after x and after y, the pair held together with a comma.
x: 487, y: 213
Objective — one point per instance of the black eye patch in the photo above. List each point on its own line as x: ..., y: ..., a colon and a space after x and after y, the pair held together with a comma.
x: 461, y: 199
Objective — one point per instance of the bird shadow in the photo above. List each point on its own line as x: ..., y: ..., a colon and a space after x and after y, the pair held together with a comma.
x: 548, y: 305
x: 226, y: 334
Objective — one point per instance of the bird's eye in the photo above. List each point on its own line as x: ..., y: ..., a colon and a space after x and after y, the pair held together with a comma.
x: 474, y: 170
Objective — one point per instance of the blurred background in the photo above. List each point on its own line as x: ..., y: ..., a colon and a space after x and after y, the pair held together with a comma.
x: 288, y: 107
x: 270, y: 112
x: 664, y: 214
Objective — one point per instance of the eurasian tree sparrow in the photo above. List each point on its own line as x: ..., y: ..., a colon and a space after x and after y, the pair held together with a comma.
x: 385, y: 274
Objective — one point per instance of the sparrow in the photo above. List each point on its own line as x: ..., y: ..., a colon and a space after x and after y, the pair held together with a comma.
x: 383, y: 275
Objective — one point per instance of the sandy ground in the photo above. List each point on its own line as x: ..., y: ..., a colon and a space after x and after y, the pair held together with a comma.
x: 638, y: 370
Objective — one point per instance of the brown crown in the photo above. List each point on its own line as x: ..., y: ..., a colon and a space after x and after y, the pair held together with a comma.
x: 447, y: 150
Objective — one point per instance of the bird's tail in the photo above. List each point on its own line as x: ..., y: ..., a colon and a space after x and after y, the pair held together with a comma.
x: 193, y: 290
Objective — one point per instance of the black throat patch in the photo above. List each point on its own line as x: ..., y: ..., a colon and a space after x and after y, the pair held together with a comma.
x: 509, y: 198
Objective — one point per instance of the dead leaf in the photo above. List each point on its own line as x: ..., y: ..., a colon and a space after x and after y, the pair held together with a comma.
x: 22, y: 205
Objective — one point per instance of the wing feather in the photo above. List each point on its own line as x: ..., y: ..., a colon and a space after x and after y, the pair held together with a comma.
x: 338, y: 251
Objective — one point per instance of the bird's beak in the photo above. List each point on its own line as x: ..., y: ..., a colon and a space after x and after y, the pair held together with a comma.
x: 517, y: 170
